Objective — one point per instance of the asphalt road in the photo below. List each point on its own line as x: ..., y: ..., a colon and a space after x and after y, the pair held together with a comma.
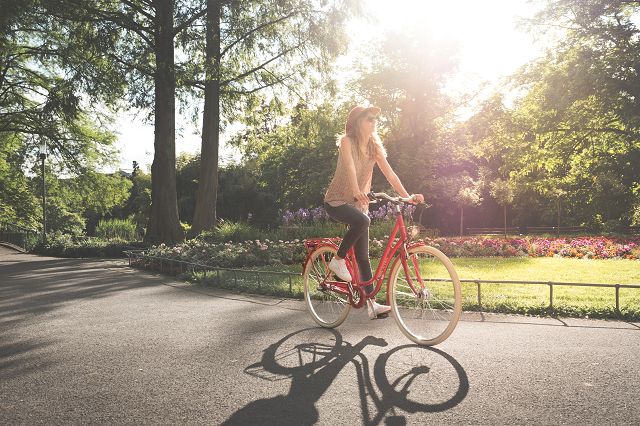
x: 85, y: 342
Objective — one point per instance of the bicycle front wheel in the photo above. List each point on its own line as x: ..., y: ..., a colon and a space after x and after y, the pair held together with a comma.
x: 328, y: 307
x: 426, y: 298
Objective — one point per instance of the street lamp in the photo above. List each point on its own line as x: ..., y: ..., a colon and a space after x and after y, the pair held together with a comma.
x: 43, y: 155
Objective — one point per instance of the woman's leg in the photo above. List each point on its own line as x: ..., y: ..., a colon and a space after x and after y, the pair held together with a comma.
x: 358, y: 225
x: 361, y: 249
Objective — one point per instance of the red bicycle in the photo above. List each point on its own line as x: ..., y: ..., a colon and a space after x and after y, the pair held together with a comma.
x: 423, y: 288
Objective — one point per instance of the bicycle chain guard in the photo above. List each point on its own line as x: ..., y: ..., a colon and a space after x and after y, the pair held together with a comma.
x: 356, y: 295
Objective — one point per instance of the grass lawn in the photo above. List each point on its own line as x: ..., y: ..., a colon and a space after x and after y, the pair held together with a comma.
x: 514, y: 298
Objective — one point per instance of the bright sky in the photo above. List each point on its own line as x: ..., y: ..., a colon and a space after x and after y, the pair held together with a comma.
x: 490, y: 48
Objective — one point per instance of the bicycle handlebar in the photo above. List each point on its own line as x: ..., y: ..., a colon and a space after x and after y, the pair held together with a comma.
x: 373, y: 196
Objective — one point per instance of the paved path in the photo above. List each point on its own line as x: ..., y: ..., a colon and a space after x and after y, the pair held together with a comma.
x: 84, y: 341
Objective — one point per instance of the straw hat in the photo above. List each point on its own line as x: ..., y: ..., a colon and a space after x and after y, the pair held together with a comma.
x: 356, y: 113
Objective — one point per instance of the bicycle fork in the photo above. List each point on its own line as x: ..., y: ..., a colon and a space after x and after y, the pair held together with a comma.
x: 421, y: 291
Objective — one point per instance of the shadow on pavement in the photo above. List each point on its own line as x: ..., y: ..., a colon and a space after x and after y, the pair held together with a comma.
x: 410, y: 378
x: 35, y: 287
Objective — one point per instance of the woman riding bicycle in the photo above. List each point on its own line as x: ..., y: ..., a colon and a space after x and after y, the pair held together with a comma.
x: 346, y: 201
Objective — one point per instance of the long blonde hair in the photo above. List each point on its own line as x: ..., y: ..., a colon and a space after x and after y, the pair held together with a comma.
x: 371, y: 147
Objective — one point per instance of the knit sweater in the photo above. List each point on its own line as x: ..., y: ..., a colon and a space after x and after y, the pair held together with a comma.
x: 340, y: 190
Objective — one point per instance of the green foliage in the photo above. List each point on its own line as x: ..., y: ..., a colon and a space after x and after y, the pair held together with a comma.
x: 18, y: 205
x: 187, y: 169
x: 501, y: 191
x: 295, y: 161
x: 120, y: 229
x: 139, y: 202
x: 269, y: 50
x: 65, y: 245
x: 79, y: 202
x: 405, y: 78
x: 227, y: 231
x: 61, y: 219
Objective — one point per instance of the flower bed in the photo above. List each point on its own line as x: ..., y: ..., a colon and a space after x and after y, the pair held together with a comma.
x: 234, y: 255
x: 579, y: 247
x: 261, y: 253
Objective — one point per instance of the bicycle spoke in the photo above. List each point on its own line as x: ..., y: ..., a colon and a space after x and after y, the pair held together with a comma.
x: 427, y: 302
x: 327, y: 306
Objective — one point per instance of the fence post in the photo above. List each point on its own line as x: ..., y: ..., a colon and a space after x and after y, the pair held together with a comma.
x: 618, y: 299
x: 218, y: 277
x: 258, y: 275
x: 290, y: 290
x: 550, y: 294
x: 479, y: 296
x: 235, y: 277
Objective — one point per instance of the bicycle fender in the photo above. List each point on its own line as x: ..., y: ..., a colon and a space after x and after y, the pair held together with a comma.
x: 310, y: 252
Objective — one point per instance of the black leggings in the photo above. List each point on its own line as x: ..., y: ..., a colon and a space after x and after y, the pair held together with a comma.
x: 357, y: 236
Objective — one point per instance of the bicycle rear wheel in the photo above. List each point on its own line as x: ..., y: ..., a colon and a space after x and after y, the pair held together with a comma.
x: 328, y: 307
x: 426, y: 299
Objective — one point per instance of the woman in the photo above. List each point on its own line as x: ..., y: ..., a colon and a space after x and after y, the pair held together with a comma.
x: 346, y: 198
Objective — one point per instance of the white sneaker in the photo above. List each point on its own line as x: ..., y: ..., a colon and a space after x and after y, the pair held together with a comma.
x: 339, y: 267
x: 374, y: 309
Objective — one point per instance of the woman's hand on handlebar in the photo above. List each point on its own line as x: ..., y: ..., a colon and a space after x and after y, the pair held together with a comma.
x: 362, y: 198
x: 417, y: 198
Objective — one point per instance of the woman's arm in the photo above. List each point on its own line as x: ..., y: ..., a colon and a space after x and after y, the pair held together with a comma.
x: 393, y: 179
x: 347, y: 158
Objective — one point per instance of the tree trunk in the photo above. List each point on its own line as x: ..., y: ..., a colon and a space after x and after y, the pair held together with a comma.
x: 505, y: 220
x: 558, y: 229
x: 206, y: 198
x: 461, y: 220
x: 164, y: 224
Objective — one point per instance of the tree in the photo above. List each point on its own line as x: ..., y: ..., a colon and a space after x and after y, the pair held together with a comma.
x: 295, y: 161
x: 468, y: 194
x: 18, y: 204
x: 40, y: 95
x: 500, y: 189
x: 405, y: 80
x: 263, y: 49
x: 44, y: 97
x: 137, y: 37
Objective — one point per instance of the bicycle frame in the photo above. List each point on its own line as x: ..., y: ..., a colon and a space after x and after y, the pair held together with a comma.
x: 357, y: 287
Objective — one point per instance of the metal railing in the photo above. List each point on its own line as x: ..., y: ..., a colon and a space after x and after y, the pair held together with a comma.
x: 17, y: 237
x: 551, y: 284
x: 168, y: 265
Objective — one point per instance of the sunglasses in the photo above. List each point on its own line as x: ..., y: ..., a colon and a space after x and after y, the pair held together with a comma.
x: 372, y: 119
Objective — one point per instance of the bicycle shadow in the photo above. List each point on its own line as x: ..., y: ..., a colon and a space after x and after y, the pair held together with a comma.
x: 313, y: 358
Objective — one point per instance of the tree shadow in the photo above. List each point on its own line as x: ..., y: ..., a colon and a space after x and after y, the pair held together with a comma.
x: 35, y: 286
x: 406, y: 376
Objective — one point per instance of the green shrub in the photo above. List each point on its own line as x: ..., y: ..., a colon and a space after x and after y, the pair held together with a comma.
x: 232, y: 231
x: 122, y: 229
x: 64, y: 245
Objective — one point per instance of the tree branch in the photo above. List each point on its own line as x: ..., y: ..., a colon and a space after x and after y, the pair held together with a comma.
x: 138, y: 9
x: 118, y: 19
x: 183, y: 26
x: 264, y: 64
x: 594, y: 129
x: 256, y: 29
x: 146, y: 71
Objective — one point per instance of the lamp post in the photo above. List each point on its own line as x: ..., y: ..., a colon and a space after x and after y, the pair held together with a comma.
x: 43, y: 155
